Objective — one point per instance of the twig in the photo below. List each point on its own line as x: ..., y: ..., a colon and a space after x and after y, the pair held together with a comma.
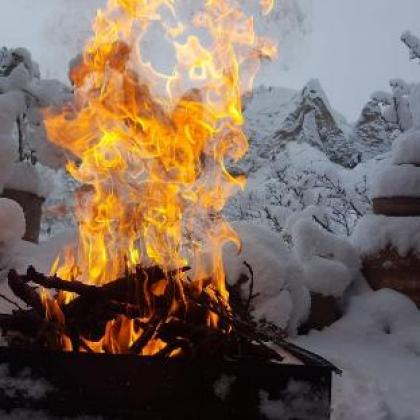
x: 251, y: 286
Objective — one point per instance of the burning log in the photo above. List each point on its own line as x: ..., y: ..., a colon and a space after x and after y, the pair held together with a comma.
x: 86, y: 316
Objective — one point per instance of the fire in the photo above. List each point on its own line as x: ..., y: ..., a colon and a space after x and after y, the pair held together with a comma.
x: 151, y: 148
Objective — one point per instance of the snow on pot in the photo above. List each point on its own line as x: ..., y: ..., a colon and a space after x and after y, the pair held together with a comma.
x: 390, y: 251
x: 396, y: 191
x: 330, y: 264
x: 29, y: 185
x: 391, y: 247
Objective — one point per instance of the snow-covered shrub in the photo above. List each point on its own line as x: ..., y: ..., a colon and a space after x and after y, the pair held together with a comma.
x: 330, y: 262
x: 281, y: 298
x: 300, y: 177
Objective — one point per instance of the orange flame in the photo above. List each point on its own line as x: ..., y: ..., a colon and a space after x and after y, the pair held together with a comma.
x: 152, y: 147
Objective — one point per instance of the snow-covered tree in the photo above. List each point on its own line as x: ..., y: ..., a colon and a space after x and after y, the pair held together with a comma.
x: 25, y: 152
x: 19, y: 73
x: 413, y: 44
x: 396, y: 105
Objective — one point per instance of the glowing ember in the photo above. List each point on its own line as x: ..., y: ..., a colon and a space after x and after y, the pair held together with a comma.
x: 152, y: 148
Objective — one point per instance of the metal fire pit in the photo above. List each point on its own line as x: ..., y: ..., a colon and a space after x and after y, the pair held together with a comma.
x: 124, y: 386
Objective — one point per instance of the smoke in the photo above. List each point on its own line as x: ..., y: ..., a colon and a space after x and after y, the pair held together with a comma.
x: 68, y: 25
x: 66, y: 29
x: 290, y: 24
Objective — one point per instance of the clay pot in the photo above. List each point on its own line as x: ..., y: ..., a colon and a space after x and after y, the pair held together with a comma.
x: 32, y: 208
x: 388, y: 269
x: 397, y: 206
x: 325, y: 310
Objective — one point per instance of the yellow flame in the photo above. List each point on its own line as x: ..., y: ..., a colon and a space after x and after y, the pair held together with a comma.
x: 267, y: 6
x: 152, y: 148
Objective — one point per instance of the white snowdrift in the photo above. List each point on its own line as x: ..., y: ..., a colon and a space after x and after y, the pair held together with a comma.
x: 377, y: 344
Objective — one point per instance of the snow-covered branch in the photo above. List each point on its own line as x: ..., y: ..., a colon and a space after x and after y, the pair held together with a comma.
x: 413, y: 44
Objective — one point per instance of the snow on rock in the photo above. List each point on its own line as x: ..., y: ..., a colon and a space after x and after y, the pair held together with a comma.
x: 406, y: 148
x: 371, y: 134
x: 282, y: 297
x: 377, y: 345
x: 397, y: 181
x: 375, y: 232
x: 330, y: 262
x: 312, y: 120
x: 36, y: 179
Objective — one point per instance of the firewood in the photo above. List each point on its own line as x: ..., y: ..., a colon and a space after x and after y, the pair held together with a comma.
x: 25, y: 292
x: 122, y: 290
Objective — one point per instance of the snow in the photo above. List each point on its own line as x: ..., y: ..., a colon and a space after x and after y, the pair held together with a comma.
x: 223, y: 385
x: 8, y: 155
x: 413, y: 43
x: 17, y: 80
x: 278, y: 279
x: 298, y: 401
x: 36, y: 179
x: 330, y: 262
x: 377, y: 344
x: 397, y: 181
x: 415, y: 105
x: 22, y: 385
x: 406, y: 148
x: 12, y: 222
x: 375, y: 232
x: 12, y: 105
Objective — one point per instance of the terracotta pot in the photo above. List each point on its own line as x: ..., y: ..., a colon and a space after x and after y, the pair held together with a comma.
x: 325, y: 310
x: 388, y: 269
x: 32, y: 208
x: 397, y: 206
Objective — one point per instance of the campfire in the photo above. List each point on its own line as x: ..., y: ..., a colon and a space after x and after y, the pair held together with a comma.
x: 152, y: 152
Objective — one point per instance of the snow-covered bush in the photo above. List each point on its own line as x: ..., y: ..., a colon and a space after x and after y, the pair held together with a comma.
x: 280, y: 296
x: 330, y: 263
x: 22, y: 96
x: 286, y: 186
